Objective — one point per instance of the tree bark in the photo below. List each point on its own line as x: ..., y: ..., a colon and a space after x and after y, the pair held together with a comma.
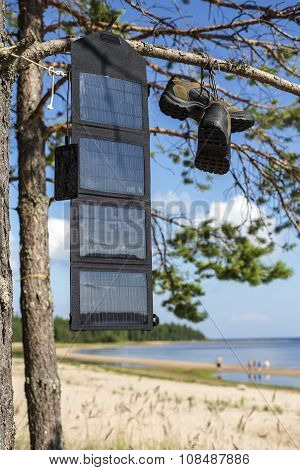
x: 7, y: 427
x: 42, y: 386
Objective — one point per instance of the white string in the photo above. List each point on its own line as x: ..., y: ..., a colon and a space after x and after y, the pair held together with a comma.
x: 52, y: 74
x: 51, y: 71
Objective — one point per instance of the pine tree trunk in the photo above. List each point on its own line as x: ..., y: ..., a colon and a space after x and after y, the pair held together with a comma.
x: 42, y: 386
x: 7, y: 427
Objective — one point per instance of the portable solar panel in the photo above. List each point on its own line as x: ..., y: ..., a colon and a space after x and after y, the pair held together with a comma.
x: 106, y: 174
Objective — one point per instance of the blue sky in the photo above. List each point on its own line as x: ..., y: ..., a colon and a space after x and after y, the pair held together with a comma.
x: 238, y: 309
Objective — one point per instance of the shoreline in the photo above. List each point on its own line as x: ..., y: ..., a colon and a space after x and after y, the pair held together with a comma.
x: 75, y: 355
x: 71, y: 352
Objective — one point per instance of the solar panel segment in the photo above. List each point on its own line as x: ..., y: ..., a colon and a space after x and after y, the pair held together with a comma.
x: 113, y: 297
x: 113, y: 167
x: 112, y: 232
x: 112, y: 101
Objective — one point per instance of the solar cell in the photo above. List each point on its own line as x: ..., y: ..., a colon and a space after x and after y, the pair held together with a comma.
x: 113, y: 297
x: 113, y: 167
x: 110, y: 101
x: 112, y: 232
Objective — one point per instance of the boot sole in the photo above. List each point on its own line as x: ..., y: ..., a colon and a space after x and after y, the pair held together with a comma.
x: 240, y: 124
x: 180, y: 109
x: 213, y: 153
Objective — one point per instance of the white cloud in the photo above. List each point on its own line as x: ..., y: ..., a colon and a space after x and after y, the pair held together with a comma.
x: 14, y: 263
x: 237, y: 211
x: 14, y: 254
x: 250, y: 318
x: 172, y: 204
x: 59, y: 239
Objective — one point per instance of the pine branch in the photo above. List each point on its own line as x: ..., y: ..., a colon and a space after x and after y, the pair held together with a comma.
x: 171, y: 30
x: 291, y: 12
x: 240, y: 98
x: 207, y: 62
x: 153, y: 130
x: 42, y: 50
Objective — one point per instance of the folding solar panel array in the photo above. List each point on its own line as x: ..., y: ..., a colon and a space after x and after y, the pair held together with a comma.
x: 110, y: 216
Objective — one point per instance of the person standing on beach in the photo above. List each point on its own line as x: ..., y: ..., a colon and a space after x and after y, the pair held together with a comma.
x: 219, y: 362
x: 267, y: 364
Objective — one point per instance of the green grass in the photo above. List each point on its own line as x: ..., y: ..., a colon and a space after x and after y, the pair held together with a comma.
x: 176, y: 374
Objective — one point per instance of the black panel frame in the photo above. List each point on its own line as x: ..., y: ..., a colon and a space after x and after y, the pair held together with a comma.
x: 120, y: 203
x: 75, y: 299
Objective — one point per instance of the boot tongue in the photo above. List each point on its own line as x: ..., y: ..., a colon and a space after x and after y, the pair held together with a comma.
x: 203, y: 96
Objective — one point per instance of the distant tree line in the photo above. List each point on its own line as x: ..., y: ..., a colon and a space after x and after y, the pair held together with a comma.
x: 164, y: 332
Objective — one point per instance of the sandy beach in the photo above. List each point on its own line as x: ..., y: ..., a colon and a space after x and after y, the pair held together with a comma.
x: 106, y: 409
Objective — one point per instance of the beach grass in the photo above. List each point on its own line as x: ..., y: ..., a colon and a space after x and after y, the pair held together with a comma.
x: 112, y: 408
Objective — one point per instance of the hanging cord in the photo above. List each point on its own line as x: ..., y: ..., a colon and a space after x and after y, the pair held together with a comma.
x: 67, y: 139
x: 28, y: 60
x: 212, y: 91
x: 111, y: 23
x: 51, y: 72
x: 202, y: 80
x: 54, y: 73
x: 212, y: 83
x: 210, y: 94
